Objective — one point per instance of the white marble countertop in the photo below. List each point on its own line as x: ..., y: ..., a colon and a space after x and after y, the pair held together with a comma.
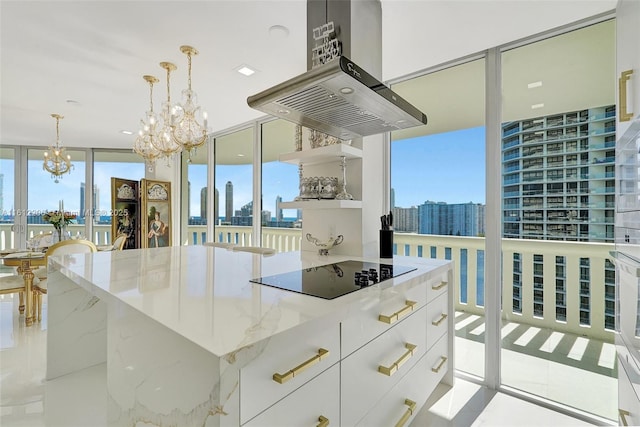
x: 204, y: 293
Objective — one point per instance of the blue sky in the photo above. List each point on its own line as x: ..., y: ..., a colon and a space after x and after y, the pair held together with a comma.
x: 448, y: 167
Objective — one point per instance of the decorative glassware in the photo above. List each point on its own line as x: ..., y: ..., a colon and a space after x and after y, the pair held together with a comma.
x: 327, y: 187
x: 343, y: 195
x: 300, y: 185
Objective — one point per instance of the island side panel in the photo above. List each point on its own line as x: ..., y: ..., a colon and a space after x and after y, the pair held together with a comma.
x: 157, y: 376
x: 76, y: 327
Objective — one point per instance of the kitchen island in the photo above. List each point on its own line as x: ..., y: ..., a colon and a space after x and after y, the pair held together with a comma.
x: 189, y: 340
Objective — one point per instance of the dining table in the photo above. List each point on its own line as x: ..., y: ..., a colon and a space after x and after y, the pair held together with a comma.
x: 25, y: 263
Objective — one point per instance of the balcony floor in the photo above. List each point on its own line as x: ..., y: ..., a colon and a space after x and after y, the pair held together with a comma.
x: 79, y: 399
x: 576, y: 371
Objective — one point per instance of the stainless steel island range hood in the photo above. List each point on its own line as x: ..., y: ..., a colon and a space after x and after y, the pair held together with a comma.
x: 340, y: 99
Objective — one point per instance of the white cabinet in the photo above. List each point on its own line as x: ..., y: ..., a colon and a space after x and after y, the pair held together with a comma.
x: 285, y: 363
x: 315, y: 403
x: 628, y: 61
x: 627, y: 226
x: 375, y: 372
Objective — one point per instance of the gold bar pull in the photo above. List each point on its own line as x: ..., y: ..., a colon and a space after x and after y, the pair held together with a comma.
x: 283, y: 378
x: 625, y: 76
x: 440, y: 286
x: 440, y: 320
x: 323, y: 421
x: 443, y: 359
x: 411, y: 407
x: 623, y: 416
x: 398, y: 314
x: 388, y: 371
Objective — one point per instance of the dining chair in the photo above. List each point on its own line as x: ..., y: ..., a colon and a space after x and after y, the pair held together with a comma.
x: 12, y: 283
x: 254, y: 249
x: 119, y: 242
x: 65, y: 247
x: 225, y: 245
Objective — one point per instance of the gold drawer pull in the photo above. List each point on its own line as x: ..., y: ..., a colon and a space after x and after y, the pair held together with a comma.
x: 398, y: 314
x: 440, y: 320
x: 623, y: 416
x: 411, y: 407
x: 398, y: 363
x: 323, y: 421
x: 440, y: 286
x: 443, y: 359
x: 283, y: 378
x: 625, y: 76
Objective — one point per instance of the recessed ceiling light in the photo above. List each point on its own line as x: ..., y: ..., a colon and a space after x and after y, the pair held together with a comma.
x: 283, y: 111
x: 240, y: 155
x: 245, y: 70
x: 534, y: 84
x: 126, y: 132
x: 278, y: 31
x: 346, y: 90
x: 536, y: 106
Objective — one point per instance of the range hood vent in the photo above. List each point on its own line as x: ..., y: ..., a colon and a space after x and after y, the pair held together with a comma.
x: 340, y: 99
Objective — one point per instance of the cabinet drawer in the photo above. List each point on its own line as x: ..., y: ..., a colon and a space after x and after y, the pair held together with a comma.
x: 437, y: 318
x: 293, y: 358
x: 438, y: 362
x: 320, y: 397
x: 399, y: 406
x: 438, y: 284
x: 363, y: 326
x: 371, y: 371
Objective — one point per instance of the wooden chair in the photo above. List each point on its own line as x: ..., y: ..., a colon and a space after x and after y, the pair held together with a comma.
x: 119, y: 242
x: 61, y: 248
x: 255, y: 250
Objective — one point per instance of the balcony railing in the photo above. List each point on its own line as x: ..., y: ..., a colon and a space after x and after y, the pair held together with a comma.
x: 464, y: 251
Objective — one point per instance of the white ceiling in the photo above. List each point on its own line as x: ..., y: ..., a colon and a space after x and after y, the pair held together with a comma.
x: 96, y: 52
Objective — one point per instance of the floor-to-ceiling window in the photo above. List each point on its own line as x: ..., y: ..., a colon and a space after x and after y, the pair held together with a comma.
x: 558, y: 152
x: 45, y: 194
x: 198, y: 204
x: 8, y: 223
x: 438, y: 191
x: 234, y: 187
x: 280, y: 227
x: 108, y: 164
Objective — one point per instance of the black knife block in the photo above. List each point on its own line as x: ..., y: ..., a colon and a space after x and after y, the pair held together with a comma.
x: 386, y: 243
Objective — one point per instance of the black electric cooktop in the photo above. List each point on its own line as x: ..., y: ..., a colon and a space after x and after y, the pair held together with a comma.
x: 334, y: 280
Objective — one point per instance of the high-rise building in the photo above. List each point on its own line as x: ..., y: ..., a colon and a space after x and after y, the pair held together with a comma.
x: 392, y: 198
x: 203, y: 204
x: 559, y: 176
x: 228, y: 212
x: 405, y: 219
x: 460, y: 219
x: 216, y: 205
x: 96, y: 202
x: 278, y: 209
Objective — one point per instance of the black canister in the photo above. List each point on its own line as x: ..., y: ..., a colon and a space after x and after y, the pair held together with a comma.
x: 386, y: 243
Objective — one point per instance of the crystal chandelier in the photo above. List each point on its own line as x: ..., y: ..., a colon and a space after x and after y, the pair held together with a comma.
x: 55, y: 160
x: 144, y: 145
x: 165, y: 142
x: 187, y: 130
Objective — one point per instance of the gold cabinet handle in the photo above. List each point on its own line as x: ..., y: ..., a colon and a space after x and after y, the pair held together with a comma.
x: 283, y: 378
x: 323, y: 421
x: 443, y: 360
x: 440, y: 286
x: 411, y: 407
x: 390, y: 370
x: 625, y: 76
x: 440, y: 320
x: 398, y: 314
x: 623, y: 416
